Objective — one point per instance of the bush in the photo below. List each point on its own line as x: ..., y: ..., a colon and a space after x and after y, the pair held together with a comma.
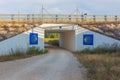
x: 106, y: 48
x: 36, y: 50
x: 33, y: 50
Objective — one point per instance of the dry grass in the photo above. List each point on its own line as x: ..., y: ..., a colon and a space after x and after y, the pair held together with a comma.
x: 32, y: 51
x: 101, y: 66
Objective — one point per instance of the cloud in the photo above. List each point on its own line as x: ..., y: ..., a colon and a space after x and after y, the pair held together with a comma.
x: 61, y: 6
x: 102, y: 6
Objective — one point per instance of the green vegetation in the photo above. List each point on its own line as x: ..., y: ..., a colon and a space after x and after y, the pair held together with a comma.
x: 35, y: 50
x: 103, y: 49
x: 52, y: 39
x: 19, y: 54
x: 53, y: 42
x: 51, y: 35
x: 102, y: 63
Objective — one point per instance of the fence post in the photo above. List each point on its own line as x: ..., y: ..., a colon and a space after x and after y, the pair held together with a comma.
x: 28, y: 18
x: 33, y: 18
x: 12, y: 18
x: 94, y: 18
x: 82, y: 19
x: 69, y: 17
x: 18, y: 18
x: 105, y: 17
x: 77, y: 18
x: 85, y: 17
x: 116, y: 19
x: 56, y: 18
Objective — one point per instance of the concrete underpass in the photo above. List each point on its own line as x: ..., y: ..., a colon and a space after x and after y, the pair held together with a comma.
x: 66, y: 39
x: 72, y: 37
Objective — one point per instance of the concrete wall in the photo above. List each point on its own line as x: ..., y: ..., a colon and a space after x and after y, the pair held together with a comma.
x: 67, y: 40
x: 99, y: 39
x: 72, y: 38
x: 21, y: 42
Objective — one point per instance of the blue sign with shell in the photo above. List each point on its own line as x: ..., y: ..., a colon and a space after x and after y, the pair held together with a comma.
x: 88, y: 39
x: 33, y: 39
x: 60, y: 27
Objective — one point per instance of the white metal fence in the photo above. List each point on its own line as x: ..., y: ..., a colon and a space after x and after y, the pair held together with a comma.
x: 57, y: 18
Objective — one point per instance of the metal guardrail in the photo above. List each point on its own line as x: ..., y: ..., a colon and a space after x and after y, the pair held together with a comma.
x: 57, y: 18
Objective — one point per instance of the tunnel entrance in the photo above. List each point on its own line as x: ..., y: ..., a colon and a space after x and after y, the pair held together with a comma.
x: 51, y: 39
x: 60, y: 38
x: 66, y: 35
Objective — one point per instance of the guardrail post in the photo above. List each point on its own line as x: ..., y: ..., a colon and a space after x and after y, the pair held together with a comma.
x: 32, y: 18
x: 82, y: 18
x: 69, y: 17
x: 105, y: 18
x: 28, y: 18
x: 56, y: 18
x: 85, y: 17
x: 94, y: 18
x: 12, y: 17
x: 116, y: 19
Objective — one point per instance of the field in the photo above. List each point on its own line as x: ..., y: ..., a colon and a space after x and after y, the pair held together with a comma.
x: 52, y: 38
x: 101, y: 63
x: 101, y: 66
x: 49, y: 39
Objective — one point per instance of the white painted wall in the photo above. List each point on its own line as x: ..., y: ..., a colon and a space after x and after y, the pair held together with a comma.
x: 21, y: 41
x: 99, y: 39
x: 61, y: 39
x: 67, y: 40
x: 71, y: 39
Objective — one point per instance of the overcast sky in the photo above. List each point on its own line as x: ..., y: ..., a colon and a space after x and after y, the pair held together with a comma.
x: 61, y: 6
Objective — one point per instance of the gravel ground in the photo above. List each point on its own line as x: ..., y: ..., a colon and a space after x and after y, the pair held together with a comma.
x: 58, y: 64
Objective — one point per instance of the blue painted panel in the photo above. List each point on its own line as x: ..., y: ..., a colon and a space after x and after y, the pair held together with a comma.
x: 33, y: 39
x: 88, y: 39
x: 60, y: 27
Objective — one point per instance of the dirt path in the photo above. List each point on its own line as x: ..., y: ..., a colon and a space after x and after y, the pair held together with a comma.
x: 58, y: 64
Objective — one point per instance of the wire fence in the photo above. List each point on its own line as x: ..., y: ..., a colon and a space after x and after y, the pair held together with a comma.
x: 57, y: 18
